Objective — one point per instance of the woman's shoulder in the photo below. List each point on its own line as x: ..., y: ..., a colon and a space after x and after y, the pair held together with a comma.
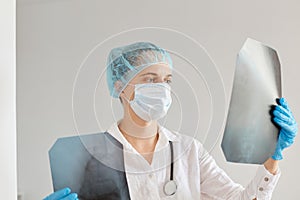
x: 182, y: 138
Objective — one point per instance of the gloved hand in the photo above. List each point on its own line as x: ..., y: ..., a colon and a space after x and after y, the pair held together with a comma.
x: 63, y: 194
x: 288, y: 127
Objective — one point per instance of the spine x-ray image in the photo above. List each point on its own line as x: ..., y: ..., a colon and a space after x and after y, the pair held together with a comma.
x: 250, y: 136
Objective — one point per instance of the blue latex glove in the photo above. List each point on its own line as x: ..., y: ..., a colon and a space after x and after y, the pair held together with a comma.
x: 63, y: 194
x: 288, y: 127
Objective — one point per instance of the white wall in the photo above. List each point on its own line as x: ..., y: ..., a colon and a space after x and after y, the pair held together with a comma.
x: 8, y: 153
x: 55, y: 36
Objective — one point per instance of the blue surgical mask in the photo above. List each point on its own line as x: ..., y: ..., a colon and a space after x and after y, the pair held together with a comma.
x: 151, y: 100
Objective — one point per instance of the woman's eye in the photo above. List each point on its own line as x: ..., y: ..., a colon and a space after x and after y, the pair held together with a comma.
x: 169, y: 81
x: 150, y: 80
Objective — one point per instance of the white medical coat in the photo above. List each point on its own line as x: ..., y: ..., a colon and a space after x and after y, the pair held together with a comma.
x: 195, y: 172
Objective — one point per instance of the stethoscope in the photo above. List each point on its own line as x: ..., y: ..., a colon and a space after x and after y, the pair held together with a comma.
x: 170, y: 187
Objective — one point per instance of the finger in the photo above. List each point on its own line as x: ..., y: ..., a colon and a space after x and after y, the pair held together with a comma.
x: 72, y: 196
x: 283, y: 110
x: 283, y: 117
x: 283, y: 125
x: 59, y: 194
x: 284, y: 103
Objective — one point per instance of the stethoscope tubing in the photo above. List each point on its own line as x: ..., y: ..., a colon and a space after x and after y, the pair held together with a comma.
x: 170, y: 186
x: 172, y: 160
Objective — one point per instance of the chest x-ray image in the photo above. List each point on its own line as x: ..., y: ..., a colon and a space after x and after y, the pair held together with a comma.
x: 250, y: 136
x: 83, y: 163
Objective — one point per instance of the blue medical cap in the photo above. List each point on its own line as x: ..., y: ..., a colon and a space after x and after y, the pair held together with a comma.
x: 125, y: 62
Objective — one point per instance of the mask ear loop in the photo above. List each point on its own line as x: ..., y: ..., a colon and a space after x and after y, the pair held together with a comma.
x: 125, y: 97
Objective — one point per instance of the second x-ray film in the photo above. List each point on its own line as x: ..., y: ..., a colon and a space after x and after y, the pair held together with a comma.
x: 91, y: 166
x: 250, y: 136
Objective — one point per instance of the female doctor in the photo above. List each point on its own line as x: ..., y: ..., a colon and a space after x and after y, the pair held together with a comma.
x: 140, y: 74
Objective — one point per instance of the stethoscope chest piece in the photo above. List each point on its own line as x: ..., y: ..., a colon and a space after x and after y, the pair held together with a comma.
x: 170, y: 188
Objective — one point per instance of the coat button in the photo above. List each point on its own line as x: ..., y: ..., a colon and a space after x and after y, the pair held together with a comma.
x: 266, y: 179
x: 261, y: 189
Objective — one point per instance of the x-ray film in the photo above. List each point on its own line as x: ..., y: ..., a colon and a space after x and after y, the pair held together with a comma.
x: 250, y: 136
x: 84, y: 164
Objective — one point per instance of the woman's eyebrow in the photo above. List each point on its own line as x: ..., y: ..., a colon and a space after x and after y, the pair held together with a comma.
x: 149, y: 73
x: 154, y: 74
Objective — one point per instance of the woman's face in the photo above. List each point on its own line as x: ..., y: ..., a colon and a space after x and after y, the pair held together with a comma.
x: 157, y: 73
